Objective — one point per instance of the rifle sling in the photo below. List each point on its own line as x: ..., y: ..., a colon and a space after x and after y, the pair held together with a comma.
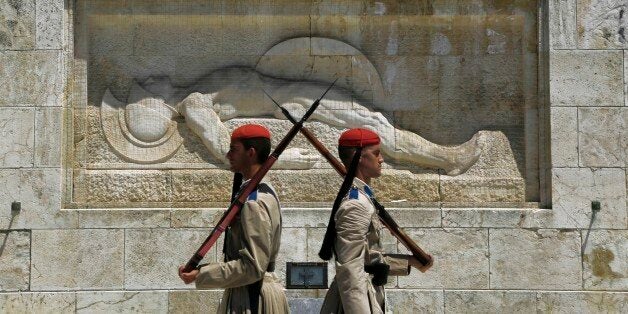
x: 328, y: 247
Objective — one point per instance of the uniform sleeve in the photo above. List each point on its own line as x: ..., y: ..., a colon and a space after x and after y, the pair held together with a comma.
x: 399, y: 265
x: 254, y: 258
x: 352, y: 223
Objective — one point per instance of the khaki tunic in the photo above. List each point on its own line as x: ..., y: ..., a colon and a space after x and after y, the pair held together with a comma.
x: 251, y: 244
x: 358, y: 244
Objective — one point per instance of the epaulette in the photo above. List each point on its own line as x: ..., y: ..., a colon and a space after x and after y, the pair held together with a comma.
x: 354, y: 193
x: 252, y: 196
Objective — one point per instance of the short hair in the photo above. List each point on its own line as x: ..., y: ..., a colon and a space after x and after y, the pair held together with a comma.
x: 261, y: 145
x: 346, y: 154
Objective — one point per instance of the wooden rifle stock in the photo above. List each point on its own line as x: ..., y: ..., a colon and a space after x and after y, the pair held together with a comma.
x: 240, y: 198
x: 424, y: 258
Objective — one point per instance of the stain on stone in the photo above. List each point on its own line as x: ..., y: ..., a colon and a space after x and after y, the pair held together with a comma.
x: 622, y: 30
x: 17, y: 4
x: 11, y: 25
x: 599, y: 260
x: 606, y: 34
x: 5, y: 39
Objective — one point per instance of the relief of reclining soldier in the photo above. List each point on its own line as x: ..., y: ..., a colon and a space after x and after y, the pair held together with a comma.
x: 238, y: 92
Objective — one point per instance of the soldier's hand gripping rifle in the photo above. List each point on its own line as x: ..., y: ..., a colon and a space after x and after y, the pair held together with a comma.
x: 424, y: 258
x: 239, y: 199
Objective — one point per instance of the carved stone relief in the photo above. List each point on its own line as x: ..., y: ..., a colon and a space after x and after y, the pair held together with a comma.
x: 154, y: 130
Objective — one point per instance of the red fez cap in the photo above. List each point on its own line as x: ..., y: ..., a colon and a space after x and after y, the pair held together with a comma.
x: 250, y: 131
x: 358, y: 138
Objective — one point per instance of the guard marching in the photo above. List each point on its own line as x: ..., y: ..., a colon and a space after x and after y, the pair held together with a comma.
x: 252, y: 240
x: 353, y: 234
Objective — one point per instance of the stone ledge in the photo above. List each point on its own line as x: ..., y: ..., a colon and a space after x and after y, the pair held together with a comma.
x: 317, y: 216
x: 401, y: 300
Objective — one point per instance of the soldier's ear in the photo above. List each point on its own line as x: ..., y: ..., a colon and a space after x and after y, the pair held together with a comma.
x: 251, y: 152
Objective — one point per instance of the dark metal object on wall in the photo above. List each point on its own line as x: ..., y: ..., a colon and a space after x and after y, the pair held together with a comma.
x: 306, y: 275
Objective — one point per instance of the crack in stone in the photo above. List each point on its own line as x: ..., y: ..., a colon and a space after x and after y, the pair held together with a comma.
x: 124, y: 299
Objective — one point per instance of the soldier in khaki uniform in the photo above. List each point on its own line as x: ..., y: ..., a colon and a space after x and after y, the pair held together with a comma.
x: 357, y: 244
x: 252, y: 241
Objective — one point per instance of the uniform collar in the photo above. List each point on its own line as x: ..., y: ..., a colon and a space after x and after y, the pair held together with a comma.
x: 363, y: 186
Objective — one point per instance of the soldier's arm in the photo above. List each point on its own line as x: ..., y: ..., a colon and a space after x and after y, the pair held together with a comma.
x: 252, y: 264
x: 399, y: 263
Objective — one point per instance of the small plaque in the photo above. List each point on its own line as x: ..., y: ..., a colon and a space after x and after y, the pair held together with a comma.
x: 306, y: 275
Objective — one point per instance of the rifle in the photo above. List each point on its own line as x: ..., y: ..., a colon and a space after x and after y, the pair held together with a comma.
x: 387, y: 220
x: 240, y: 198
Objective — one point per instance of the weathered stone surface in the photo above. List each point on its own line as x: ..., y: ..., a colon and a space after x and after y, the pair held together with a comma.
x: 39, y: 192
x: 37, y: 302
x: 493, y: 178
x: 451, y: 248
x: 417, y: 30
x: 481, y: 87
x: 15, y: 260
x: 582, y: 302
x: 409, y: 82
x: 487, y: 217
x: 602, y: 24
x: 279, y: 7
x: 416, y: 217
x: 543, y: 259
x: 562, y: 24
x: 162, y: 35
x: 17, y: 24
x: 200, y: 218
x: 17, y: 137
x: 77, y: 259
x: 605, y: 260
x: 122, y: 188
x: 414, y: 301
x: 113, y: 218
x: 305, y: 217
x: 48, y: 132
x: 472, y: 189
x: 202, y: 301
x: 152, y: 256
x: 120, y: 302
x: 586, y: 78
x: 603, y: 137
x: 211, y: 187
x: 296, y: 186
x: 573, y: 190
x: 305, y: 305
x: 49, y: 24
x: 293, y: 249
x: 403, y: 185
x: 108, y: 34
x: 305, y: 293
x: 490, y: 301
x: 32, y: 78
x: 564, y: 126
x: 202, y: 186
x: 253, y: 35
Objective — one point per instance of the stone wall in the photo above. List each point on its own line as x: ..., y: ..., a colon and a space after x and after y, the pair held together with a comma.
x: 557, y: 260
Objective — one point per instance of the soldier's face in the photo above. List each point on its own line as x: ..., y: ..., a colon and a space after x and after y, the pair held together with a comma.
x: 371, y: 161
x: 238, y: 156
